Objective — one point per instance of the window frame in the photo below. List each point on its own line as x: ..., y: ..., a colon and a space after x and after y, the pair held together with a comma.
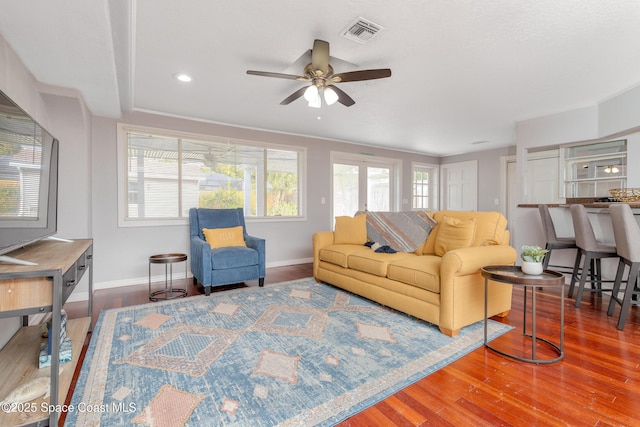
x: 123, y: 185
x: 362, y: 161
x: 432, y: 197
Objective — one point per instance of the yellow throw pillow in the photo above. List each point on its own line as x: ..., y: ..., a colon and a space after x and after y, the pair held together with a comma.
x: 454, y: 234
x: 350, y: 230
x: 223, y: 237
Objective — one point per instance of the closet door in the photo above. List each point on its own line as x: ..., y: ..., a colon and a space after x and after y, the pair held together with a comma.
x: 459, y: 186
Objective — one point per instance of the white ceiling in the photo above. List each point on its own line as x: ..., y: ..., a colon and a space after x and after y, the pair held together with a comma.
x: 463, y: 71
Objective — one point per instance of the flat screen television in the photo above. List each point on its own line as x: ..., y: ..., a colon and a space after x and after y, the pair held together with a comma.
x: 28, y: 180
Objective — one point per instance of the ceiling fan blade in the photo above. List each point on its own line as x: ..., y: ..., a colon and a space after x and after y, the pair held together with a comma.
x: 354, y: 76
x: 320, y: 56
x: 277, y: 75
x: 343, y: 98
x: 295, y: 95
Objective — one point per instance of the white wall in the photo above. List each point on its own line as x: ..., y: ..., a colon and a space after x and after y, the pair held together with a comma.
x: 620, y: 112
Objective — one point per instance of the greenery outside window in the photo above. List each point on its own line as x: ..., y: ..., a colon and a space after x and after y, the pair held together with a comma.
x: 168, y: 173
x: 591, y: 170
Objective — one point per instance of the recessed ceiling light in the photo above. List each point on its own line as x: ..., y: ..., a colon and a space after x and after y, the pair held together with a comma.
x: 183, y: 77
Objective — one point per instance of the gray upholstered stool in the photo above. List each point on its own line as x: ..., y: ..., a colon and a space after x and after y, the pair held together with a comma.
x: 592, y: 250
x: 627, y: 234
x: 553, y: 241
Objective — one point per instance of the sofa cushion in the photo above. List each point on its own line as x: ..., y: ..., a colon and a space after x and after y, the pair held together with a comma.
x: 351, y: 231
x: 372, y: 262
x: 233, y: 257
x: 339, y: 254
x: 454, y: 234
x: 421, y: 271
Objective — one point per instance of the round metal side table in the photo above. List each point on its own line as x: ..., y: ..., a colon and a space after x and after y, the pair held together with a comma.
x: 169, y: 292
x: 513, y: 275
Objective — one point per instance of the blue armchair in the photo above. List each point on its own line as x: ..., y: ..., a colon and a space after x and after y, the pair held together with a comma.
x: 228, y: 265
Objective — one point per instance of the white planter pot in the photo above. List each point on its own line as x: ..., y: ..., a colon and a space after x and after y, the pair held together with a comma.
x: 532, y: 268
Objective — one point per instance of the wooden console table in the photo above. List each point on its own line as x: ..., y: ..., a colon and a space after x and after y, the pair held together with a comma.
x: 42, y: 288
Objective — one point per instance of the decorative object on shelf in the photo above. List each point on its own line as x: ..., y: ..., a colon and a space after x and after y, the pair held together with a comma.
x: 532, y: 257
x: 66, y: 353
x: 28, y: 391
x: 626, y: 194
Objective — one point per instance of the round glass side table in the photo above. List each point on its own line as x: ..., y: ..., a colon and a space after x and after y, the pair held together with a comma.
x: 512, y: 274
x: 169, y: 292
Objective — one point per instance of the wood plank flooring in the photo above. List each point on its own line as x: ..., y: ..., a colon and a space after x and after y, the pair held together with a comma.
x: 597, y: 383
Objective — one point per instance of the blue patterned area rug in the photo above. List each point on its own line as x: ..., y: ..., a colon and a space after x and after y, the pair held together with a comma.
x: 295, y: 353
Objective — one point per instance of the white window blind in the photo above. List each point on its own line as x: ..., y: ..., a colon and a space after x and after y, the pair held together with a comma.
x: 21, y: 154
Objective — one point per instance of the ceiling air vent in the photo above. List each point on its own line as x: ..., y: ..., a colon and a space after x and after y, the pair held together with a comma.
x: 362, y: 30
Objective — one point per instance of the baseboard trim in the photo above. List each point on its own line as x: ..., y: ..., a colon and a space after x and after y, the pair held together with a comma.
x: 84, y: 296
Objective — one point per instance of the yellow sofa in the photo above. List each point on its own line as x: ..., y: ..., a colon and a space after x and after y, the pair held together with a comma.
x: 440, y: 282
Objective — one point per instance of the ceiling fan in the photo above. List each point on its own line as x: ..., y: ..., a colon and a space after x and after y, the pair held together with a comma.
x: 320, y: 73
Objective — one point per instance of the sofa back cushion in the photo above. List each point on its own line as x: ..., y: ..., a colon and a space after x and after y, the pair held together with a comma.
x: 350, y: 231
x: 200, y: 218
x: 454, y: 234
x: 491, y: 228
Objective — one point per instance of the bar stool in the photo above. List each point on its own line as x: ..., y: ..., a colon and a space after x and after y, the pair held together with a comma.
x: 553, y: 241
x: 592, y: 250
x: 627, y: 234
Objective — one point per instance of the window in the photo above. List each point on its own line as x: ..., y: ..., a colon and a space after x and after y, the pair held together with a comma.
x: 23, y: 163
x: 424, y: 183
x: 591, y: 170
x: 168, y: 173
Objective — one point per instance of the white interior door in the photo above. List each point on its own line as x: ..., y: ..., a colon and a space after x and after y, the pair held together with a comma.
x: 459, y: 186
x: 543, y: 175
x: 512, y: 197
x: 543, y: 182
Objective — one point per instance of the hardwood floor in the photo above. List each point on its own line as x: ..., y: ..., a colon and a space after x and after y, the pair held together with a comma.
x: 597, y: 383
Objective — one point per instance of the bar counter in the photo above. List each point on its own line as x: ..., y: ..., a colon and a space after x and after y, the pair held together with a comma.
x: 587, y: 202
x: 598, y: 215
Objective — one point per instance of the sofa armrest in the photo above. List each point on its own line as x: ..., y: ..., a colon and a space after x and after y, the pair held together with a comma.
x: 260, y: 246
x: 320, y: 239
x: 461, y: 285
x: 470, y: 260
x: 200, y: 260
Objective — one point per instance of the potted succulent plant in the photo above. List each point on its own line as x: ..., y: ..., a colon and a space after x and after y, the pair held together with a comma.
x: 532, y: 257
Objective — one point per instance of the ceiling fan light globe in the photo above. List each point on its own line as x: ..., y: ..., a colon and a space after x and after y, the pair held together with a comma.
x: 316, y: 103
x: 330, y: 96
x: 311, y: 94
